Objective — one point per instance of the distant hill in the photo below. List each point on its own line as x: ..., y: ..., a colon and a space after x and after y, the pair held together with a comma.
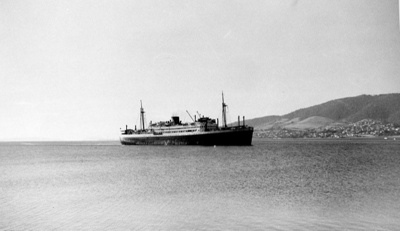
x: 385, y: 108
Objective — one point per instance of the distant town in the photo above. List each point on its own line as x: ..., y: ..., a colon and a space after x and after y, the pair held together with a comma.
x: 363, y: 128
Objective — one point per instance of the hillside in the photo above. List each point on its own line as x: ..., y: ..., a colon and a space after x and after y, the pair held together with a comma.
x: 384, y: 108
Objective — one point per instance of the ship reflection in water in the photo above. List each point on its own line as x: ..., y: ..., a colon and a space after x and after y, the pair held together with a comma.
x: 271, y: 185
x: 202, y: 131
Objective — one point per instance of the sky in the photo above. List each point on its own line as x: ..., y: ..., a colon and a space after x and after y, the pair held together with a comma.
x: 77, y: 70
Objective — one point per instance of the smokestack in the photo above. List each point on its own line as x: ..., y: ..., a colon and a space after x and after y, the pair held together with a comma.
x: 175, y: 119
x: 239, y: 121
x: 195, y: 118
x: 243, y: 121
x: 126, y: 127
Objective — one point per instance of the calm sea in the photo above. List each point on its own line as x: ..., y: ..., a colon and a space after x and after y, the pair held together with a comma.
x: 272, y: 185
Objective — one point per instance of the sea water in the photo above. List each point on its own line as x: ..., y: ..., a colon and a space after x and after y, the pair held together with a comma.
x: 272, y: 185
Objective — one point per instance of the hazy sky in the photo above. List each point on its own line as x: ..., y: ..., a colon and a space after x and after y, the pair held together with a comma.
x: 78, y: 69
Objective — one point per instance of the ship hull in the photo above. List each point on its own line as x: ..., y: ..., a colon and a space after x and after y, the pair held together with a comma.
x: 239, y: 137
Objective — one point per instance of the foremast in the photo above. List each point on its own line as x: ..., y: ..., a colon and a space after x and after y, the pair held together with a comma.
x: 141, y: 116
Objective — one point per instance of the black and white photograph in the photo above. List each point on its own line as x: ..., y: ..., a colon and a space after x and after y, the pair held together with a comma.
x: 199, y: 115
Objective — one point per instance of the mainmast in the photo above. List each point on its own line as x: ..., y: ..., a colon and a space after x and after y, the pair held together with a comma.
x: 141, y: 116
x: 223, y: 111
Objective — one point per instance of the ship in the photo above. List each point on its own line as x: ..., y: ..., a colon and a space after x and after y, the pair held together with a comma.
x: 201, y: 131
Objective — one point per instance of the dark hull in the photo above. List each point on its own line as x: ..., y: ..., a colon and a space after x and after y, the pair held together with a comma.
x: 239, y: 137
